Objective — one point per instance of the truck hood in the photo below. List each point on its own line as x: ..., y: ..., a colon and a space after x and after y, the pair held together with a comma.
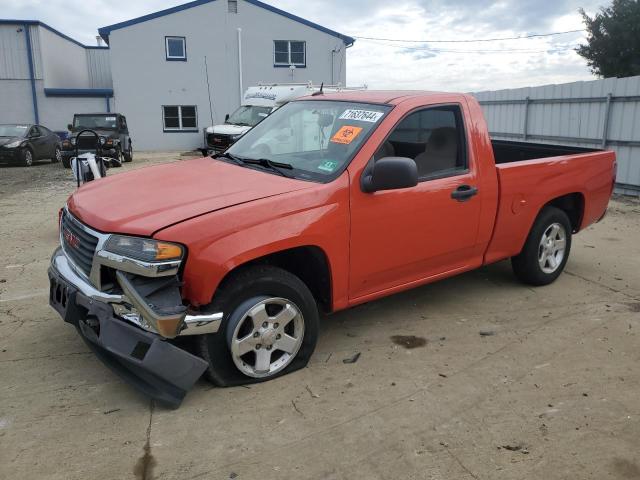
x: 146, y: 200
x: 228, y: 129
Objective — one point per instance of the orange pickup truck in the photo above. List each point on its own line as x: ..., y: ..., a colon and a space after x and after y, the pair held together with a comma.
x: 223, y: 264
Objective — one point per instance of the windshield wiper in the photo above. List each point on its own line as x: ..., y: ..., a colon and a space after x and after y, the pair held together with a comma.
x: 230, y: 156
x: 270, y: 164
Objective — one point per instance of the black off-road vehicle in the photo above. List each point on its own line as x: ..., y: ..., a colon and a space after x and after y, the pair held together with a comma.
x: 112, y: 129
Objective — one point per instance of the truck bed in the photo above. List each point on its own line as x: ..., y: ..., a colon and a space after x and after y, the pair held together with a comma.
x: 505, y: 151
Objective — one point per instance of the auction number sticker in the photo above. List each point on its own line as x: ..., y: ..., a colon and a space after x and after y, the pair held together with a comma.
x: 362, y: 115
x: 346, y: 134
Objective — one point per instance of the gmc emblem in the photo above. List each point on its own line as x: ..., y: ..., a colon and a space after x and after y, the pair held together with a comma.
x: 71, y: 239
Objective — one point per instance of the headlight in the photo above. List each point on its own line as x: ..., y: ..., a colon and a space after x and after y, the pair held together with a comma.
x: 14, y: 144
x: 73, y: 140
x: 145, y: 249
x: 102, y: 140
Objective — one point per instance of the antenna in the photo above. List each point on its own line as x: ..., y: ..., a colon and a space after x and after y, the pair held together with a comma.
x: 319, y: 92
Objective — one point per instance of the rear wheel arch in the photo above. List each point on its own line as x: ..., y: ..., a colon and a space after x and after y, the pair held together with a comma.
x: 572, y: 204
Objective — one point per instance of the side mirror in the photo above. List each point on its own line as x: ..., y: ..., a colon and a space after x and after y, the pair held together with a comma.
x: 389, y: 173
x: 226, y: 117
x: 69, y: 127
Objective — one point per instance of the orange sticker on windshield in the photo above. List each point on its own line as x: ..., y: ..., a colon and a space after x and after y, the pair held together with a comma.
x: 346, y: 134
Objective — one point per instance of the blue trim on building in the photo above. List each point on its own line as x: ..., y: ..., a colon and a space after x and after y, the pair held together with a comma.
x: 106, y: 98
x: 78, y: 92
x: 105, y: 31
x: 32, y: 77
x: 4, y: 21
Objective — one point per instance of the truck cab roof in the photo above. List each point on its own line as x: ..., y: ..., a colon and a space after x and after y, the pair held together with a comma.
x: 388, y: 97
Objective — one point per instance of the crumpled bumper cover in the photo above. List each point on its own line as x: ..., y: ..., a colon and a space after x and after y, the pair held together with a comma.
x: 143, y: 359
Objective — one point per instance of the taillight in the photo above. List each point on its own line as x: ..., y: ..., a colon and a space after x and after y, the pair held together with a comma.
x: 59, y: 219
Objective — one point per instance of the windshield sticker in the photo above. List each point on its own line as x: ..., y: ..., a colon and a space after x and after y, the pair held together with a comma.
x: 362, y: 115
x: 22, y: 127
x: 328, y: 166
x: 110, y: 119
x: 346, y: 134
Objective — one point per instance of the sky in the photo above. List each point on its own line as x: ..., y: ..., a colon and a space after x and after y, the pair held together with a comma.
x: 391, y: 63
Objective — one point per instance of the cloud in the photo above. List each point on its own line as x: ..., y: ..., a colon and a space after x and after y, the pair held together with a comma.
x: 388, y: 64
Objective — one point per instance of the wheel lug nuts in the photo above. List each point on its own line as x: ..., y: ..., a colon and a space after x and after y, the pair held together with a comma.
x: 258, y: 346
x: 278, y: 337
x: 276, y: 325
x: 265, y: 324
x: 268, y: 347
x: 256, y: 335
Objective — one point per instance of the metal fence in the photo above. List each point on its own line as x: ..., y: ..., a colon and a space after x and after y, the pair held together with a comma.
x: 599, y: 114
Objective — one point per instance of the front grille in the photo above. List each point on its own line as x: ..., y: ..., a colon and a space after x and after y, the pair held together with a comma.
x: 78, y: 244
x: 218, y: 141
x: 87, y: 142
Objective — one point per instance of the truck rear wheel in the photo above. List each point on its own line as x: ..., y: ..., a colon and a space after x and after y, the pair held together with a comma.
x: 546, y: 250
x: 269, y: 329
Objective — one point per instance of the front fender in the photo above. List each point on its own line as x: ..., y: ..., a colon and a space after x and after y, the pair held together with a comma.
x: 221, y: 241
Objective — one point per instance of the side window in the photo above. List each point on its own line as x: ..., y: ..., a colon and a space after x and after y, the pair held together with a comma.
x: 123, y: 123
x: 44, y: 130
x: 175, y: 48
x: 34, y: 132
x: 289, y: 52
x: 434, y: 138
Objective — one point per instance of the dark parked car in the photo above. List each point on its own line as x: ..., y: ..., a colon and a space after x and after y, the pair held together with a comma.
x: 114, y: 136
x: 25, y: 144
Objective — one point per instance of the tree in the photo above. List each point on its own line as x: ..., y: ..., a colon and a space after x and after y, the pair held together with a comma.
x: 613, y: 39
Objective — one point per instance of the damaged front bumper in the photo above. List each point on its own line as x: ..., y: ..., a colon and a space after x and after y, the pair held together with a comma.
x: 119, y: 329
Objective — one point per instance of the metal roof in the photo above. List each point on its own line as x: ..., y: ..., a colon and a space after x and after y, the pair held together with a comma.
x: 5, y: 21
x: 105, y: 31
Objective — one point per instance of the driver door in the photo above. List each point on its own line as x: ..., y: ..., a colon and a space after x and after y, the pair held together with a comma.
x: 402, y: 237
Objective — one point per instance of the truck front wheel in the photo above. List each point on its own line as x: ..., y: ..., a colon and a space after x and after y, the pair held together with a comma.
x: 270, y: 327
x: 546, y: 250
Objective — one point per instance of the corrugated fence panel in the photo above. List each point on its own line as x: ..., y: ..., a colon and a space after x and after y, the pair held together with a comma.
x: 590, y: 114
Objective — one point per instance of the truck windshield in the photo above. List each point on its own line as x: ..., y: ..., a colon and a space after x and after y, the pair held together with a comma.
x: 317, y: 138
x: 93, y: 122
x: 249, y: 115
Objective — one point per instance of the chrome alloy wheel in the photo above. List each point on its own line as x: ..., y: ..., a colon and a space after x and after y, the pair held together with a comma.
x: 266, y: 337
x: 551, y: 249
x: 28, y: 158
x: 58, y: 155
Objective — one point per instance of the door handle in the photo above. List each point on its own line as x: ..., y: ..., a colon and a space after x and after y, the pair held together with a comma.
x: 464, y: 193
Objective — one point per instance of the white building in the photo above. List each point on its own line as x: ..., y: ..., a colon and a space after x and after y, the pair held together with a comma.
x: 179, y: 70
x: 46, y: 76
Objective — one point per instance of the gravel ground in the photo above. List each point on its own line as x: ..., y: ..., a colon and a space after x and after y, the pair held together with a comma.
x: 475, y: 377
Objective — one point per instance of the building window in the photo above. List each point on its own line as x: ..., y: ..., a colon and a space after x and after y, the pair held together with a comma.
x: 232, y: 6
x: 179, y: 118
x: 176, y: 48
x: 289, y: 52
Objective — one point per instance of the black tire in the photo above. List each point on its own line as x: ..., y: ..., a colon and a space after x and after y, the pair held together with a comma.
x: 66, y: 162
x: 527, y: 265
x: 27, y: 158
x: 128, y: 154
x: 250, y: 283
x: 57, y: 155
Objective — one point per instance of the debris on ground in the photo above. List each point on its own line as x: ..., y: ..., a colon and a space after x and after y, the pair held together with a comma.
x: 313, y: 395
x: 444, y: 444
x: 442, y: 375
x: 409, y: 341
x: 487, y: 333
x: 516, y: 448
x: 111, y: 411
x: 352, y: 359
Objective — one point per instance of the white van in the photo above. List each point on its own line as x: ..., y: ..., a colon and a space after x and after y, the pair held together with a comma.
x: 258, y: 102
